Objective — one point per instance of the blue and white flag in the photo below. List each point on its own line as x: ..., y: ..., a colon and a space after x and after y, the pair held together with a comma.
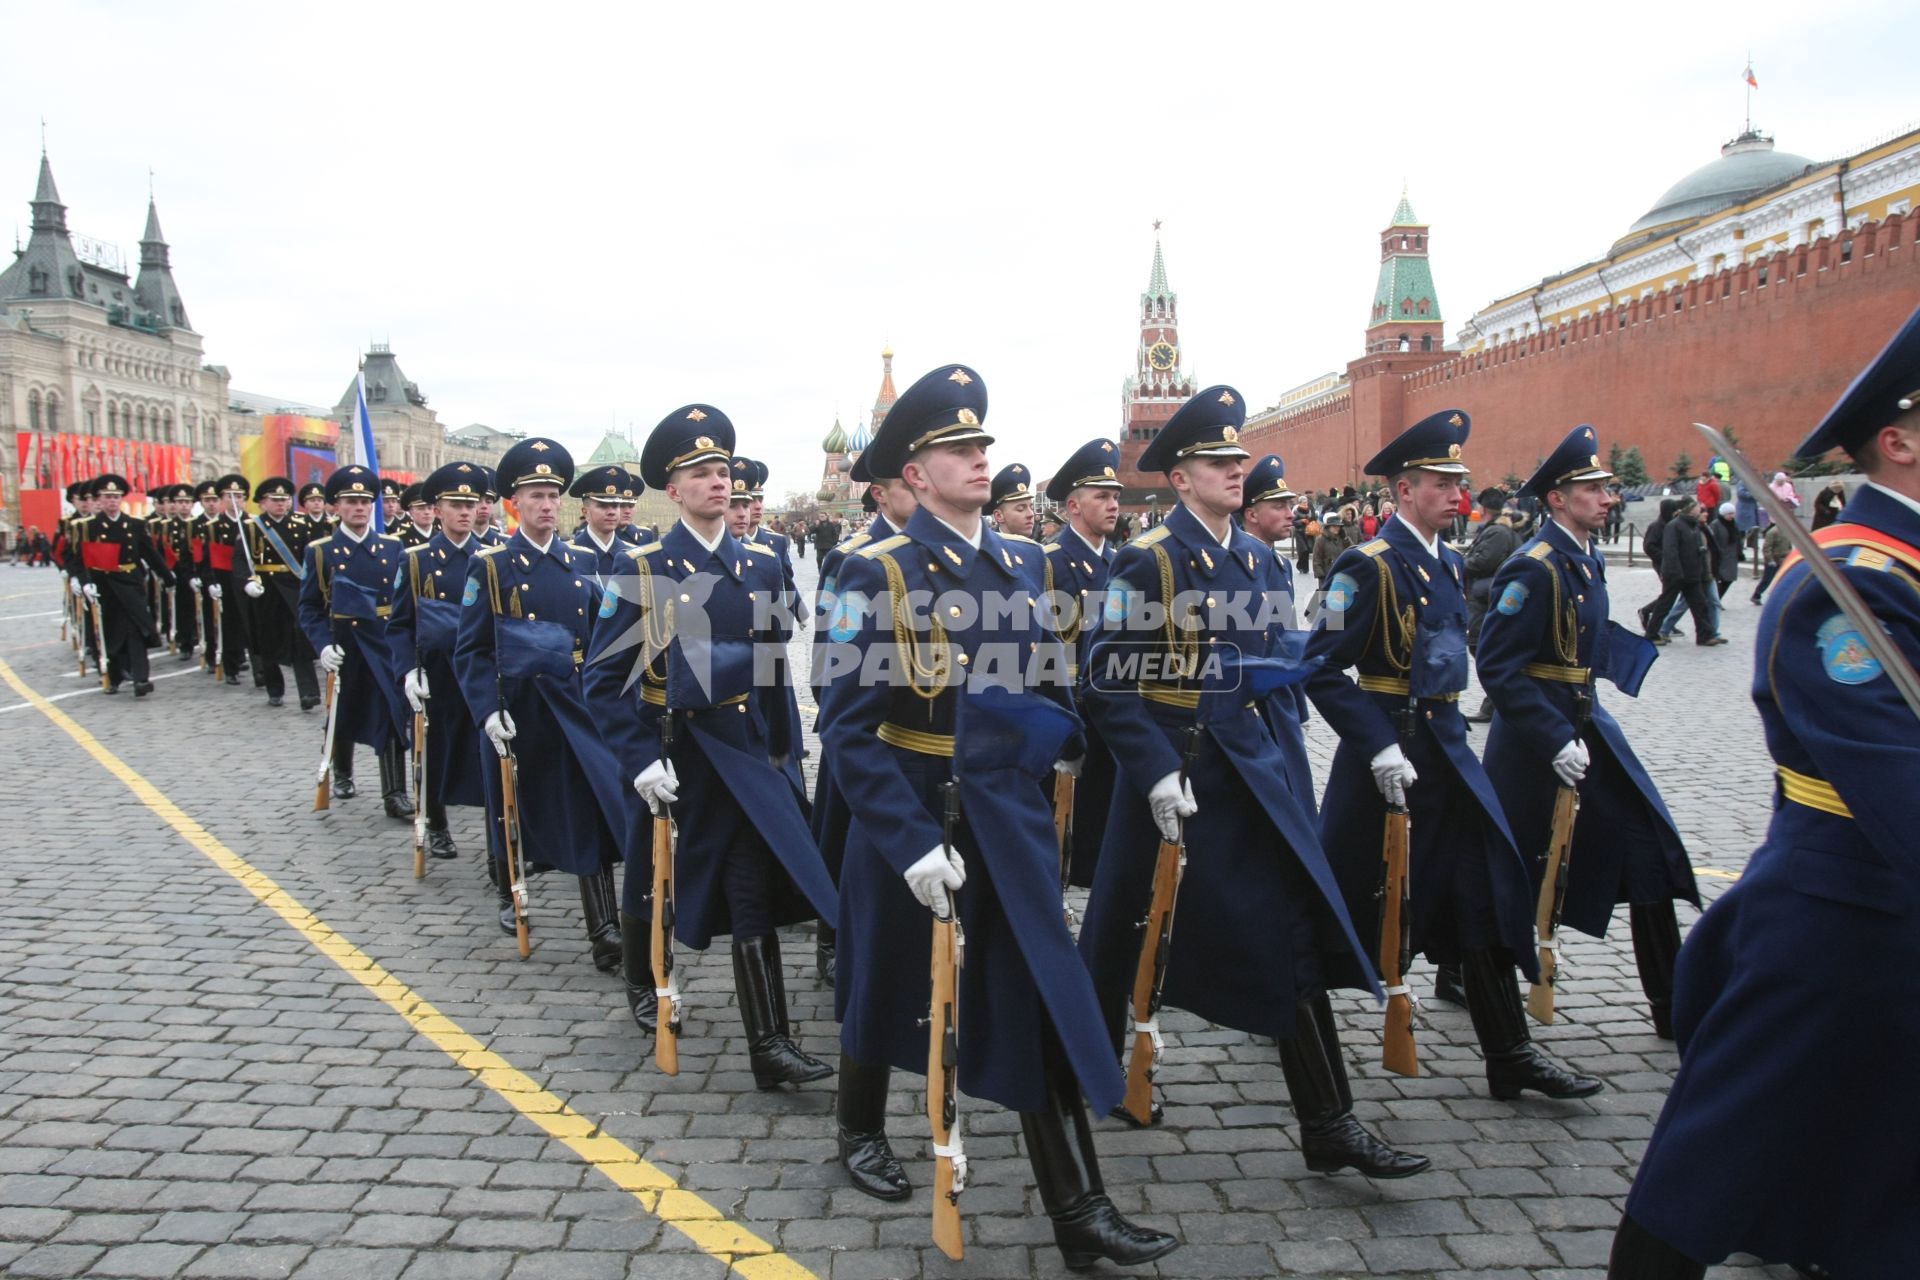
x: 363, y: 429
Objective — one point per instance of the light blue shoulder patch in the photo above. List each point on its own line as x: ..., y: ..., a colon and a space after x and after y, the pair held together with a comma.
x: 472, y: 593
x: 1513, y: 599
x: 399, y: 575
x: 1341, y: 592
x: 849, y: 611
x: 1844, y: 653
x: 1119, y: 602
x: 610, y: 601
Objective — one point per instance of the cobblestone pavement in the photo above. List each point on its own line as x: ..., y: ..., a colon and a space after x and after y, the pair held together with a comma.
x: 189, y: 1086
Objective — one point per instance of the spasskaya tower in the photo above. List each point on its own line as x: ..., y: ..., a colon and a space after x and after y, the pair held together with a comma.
x: 1159, y: 385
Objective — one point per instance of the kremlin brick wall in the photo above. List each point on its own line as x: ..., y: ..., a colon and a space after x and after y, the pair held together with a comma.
x: 1765, y: 348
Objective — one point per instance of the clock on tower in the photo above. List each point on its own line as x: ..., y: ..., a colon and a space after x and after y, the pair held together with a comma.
x: 1158, y: 385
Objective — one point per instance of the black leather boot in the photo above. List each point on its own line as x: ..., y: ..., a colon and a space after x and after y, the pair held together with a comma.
x: 1656, y: 945
x: 826, y: 953
x: 343, y: 788
x: 636, y: 970
x: 1484, y: 715
x: 1446, y: 985
x: 1331, y: 1138
x: 1514, y: 1062
x: 502, y: 895
x: 1638, y: 1254
x: 861, y: 1110
x: 393, y: 781
x: 1086, y: 1226
x: 602, y: 912
x: 439, y: 839
x: 775, y: 1059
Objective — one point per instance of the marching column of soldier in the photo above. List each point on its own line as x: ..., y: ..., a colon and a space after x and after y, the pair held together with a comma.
x: 1000, y: 719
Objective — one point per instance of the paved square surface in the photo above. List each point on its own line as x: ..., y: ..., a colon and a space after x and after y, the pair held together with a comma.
x: 191, y: 1087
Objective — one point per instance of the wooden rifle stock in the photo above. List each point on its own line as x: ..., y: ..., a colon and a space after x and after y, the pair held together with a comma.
x: 943, y: 1065
x: 100, y: 643
x: 1063, y: 791
x: 1151, y: 973
x: 222, y: 648
x: 1396, y: 927
x: 323, y: 785
x: 419, y: 795
x: 1553, y: 894
x: 516, y: 856
x: 666, y: 1042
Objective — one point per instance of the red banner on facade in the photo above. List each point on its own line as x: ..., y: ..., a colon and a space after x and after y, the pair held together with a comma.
x: 49, y: 461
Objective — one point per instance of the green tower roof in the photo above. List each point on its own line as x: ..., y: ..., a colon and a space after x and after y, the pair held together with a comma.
x: 1403, y: 278
x: 614, y: 447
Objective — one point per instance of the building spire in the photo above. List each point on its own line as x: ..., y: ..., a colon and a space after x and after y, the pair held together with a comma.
x: 1157, y: 285
x: 48, y: 213
x: 1403, y: 215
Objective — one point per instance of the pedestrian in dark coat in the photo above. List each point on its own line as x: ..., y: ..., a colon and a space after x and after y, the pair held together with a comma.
x: 1728, y: 546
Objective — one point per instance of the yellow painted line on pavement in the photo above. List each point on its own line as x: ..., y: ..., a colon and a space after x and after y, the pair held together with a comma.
x: 700, y: 1222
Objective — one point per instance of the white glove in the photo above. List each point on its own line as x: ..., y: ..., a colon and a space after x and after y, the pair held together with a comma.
x: 92, y: 592
x: 500, y: 731
x: 254, y: 588
x: 935, y: 879
x: 1393, y: 774
x: 76, y: 588
x: 1171, y: 799
x: 330, y: 657
x: 194, y: 583
x: 1071, y: 767
x: 658, y: 784
x: 214, y: 591
x: 415, y: 686
x: 1571, y: 762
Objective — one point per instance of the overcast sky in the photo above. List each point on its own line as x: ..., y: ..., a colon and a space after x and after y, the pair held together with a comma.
x: 564, y: 223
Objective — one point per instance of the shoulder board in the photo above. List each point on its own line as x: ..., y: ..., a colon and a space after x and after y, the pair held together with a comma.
x: 855, y: 542
x: 416, y: 547
x: 645, y: 549
x: 574, y: 546
x: 761, y: 547
x: 1374, y: 548
x: 389, y: 537
x: 493, y: 550
x: 320, y: 542
x: 1050, y: 547
x: 1017, y: 537
x: 1156, y: 534
x: 894, y: 543
x: 1539, y: 551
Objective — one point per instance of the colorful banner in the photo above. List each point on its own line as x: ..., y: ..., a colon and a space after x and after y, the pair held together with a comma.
x: 49, y: 461
x: 291, y: 445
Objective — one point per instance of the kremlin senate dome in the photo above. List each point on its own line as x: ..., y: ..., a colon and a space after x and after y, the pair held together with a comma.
x: 1747, y: 165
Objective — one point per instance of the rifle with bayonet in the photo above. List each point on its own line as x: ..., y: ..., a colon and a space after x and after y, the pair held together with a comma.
x: 323, y: 783
x: 943, y: 1057
x: 1150, y: 977
x: 99, y: 642
x: 1063, y: 791
x: 666, y: 986
x: 1553, y: 885
x: 1398, y: 1053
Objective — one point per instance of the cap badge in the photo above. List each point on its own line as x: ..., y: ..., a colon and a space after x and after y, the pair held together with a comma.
x: 463, y: 468
x: 704, y: 442
x: 1454, y: 421
x: 959, y: 376
x: 538, y: 446
x: 1226, y: 397
x: 1453, y: 450
x: 1594, y: 461
x: 967, y: 417
x: 1106, y: 471
x: 1105, y: 447
x: 697, y: 415
x: 542, y: 469
x: 739, y: 486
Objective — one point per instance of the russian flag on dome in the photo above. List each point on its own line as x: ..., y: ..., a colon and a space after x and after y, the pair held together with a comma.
x: 1748, y: 76
x: 363, y: 428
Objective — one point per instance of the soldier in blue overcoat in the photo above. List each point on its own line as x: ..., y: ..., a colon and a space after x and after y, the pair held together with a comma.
x: 1544, y: 643
x: 927, y: 623
x: 526, y: 619
x: 890, y: 503
x: 1267, y: 516
x: 1394, y: 610
x: 1793, y: 1129
x: 687, y: 631
x: 426, y: 615
x: 606, y: 494
x: 346, y: 597
x: 486, y: 530
x: 1262, y: 931
x: 779, y: 691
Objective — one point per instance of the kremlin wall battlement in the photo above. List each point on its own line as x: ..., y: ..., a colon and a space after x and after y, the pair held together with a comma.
x: 1765, y: 347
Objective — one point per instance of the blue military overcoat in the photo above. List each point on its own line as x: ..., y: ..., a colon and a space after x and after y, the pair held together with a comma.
x: 526, y: 620
x: 1395, y: 612
x: 830, y: 814
x: 1544, y: 640
x: 1792, y: 1131
x: 1261, y: 923
x: 889, y: 736
x: 681, y: 628
x: 346, y: 598
x: 426, y: 617
x: 1078, y: 574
